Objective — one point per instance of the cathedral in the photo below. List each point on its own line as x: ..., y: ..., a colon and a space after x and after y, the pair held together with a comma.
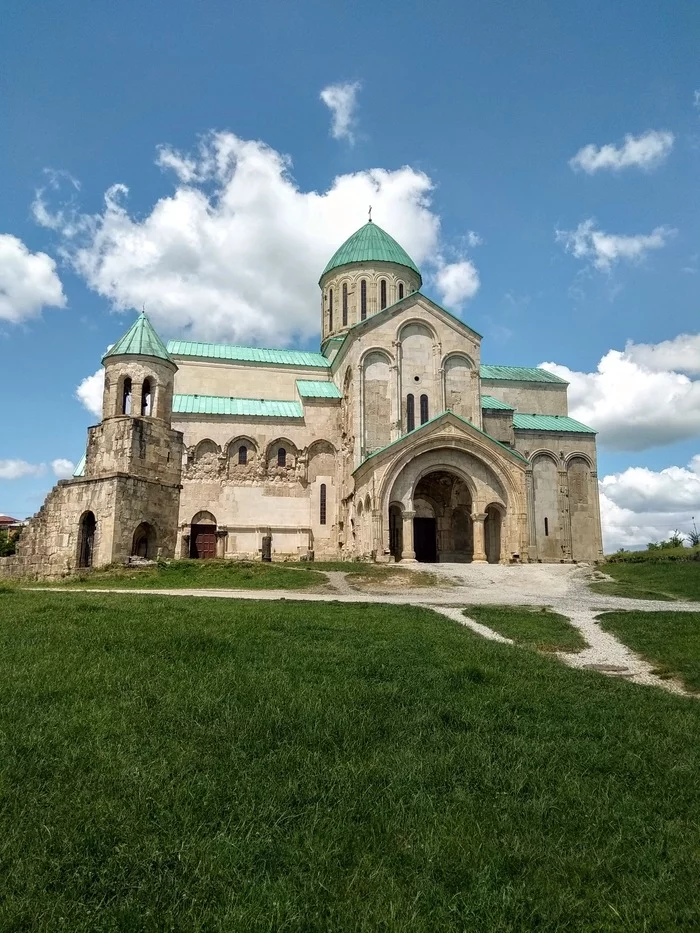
x: 393, y: 443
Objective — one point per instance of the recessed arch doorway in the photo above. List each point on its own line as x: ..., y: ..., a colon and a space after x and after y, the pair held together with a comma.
x: 442, y: 526
x: 203, y: 536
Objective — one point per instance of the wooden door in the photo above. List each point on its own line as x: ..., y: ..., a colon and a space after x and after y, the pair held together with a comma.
x: 203, y: 541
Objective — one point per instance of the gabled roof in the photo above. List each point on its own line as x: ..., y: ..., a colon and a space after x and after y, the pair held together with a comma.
x: 225, y: 351
x: 391, y: 309
x: 490, y: 403
x: 520, y: 374
x: 311, y: 388
x: 370, y: 244
x: 246, y: 407
x: 140, y: 340
x: 550, y: 423
x: 421, y: 429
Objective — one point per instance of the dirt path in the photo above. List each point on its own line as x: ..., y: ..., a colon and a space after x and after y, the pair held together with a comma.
x: 562, y: 587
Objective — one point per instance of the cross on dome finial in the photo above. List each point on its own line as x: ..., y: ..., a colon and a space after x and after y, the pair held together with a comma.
x: 370, y: 214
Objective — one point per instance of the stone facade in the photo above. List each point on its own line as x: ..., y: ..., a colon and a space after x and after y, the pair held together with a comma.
x: 391, y: 444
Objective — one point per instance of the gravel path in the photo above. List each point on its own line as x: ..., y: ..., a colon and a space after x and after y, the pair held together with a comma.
x: 562, y: 587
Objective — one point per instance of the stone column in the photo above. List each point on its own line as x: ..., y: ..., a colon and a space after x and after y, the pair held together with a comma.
x: 221, y: 535
x: 478, y: 520
x: 407, y: 552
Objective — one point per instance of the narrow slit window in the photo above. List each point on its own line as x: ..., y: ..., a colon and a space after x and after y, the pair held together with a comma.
x: 242, y: 455
x: 423, y: 409
x: 281, y: 457
x: 146, y: 398
x: 382, y: 294
x: 400, y: 290
x: 410, y: 412
x: 126, y: 397
x: 322, y: 505
x: 363, y: 300
x: 546, y: 527
x: 330, y: 309
x: 345, y: 304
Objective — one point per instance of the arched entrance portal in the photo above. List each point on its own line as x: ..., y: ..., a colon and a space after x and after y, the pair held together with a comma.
x: 203, y: 536
x: 144, y: 541
x: 442, y: 527
x: 86, y: 539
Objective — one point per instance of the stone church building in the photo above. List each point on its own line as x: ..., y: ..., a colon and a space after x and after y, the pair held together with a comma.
x: 394, y: 442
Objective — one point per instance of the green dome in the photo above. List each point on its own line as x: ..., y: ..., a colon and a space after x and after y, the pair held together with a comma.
x: 371, y: 244
x: 140, y: 340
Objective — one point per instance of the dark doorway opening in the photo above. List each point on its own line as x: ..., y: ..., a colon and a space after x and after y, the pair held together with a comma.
x: 203, y: 541
x: 144, y: 541
x: 87, y: 540
x: 425, y: 539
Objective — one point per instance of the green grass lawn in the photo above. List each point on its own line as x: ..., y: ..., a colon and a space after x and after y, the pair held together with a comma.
x: 204, y: 574
x: 210, y: 765
x: 665, y: 580
x: 671, y: 640
x: 530, y: 626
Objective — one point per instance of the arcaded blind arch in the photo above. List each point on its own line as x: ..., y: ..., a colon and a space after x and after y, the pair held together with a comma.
x: 206, y: 448
x: 376, y: 401
x: 583, y: 517
x: 548, y: 537
x: 458, y: 386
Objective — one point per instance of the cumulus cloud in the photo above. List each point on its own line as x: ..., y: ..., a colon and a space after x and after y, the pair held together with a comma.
x: 606, y: 249
x: 457, y: 281
x: 633, y: 401
x: 640, y: 505
x: 341, y: 100
x: 16, y: 469
x: 89, y: 392
x: 646, y: 151
x: 28, y: 281
x: 62, y: 468
x: 234, y: 253
x: 681, y: 354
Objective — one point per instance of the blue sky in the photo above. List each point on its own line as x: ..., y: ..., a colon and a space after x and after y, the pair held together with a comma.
x: 486, y: 104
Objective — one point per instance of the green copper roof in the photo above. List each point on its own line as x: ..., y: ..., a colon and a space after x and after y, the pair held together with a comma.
x: 310, y: 388
x: 225, y: 351
x: 370, y: 244
x: 490, y: 403
x: 140, y: 340
x: 246, y: 407
x: 550, y: 423
x: 520, y: 374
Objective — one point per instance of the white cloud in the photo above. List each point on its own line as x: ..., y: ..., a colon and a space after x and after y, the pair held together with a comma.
x: 473, y: 238
x: 646, y: 152
x: 62, y: 468
x: 696, y: 99
x: 605, y: 249
x: 632, y: 400
x: 341, y: 100
x: 28, y: 281
x: 89, y: 392
x: 234, y: 254
x: 640, y: 505
x: 457, y: 281
x: 16, y: 469
x: 682, y: 354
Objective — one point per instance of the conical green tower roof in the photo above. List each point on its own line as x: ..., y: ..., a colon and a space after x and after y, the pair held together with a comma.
x: 370, y: 244
x: 140, y: 340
